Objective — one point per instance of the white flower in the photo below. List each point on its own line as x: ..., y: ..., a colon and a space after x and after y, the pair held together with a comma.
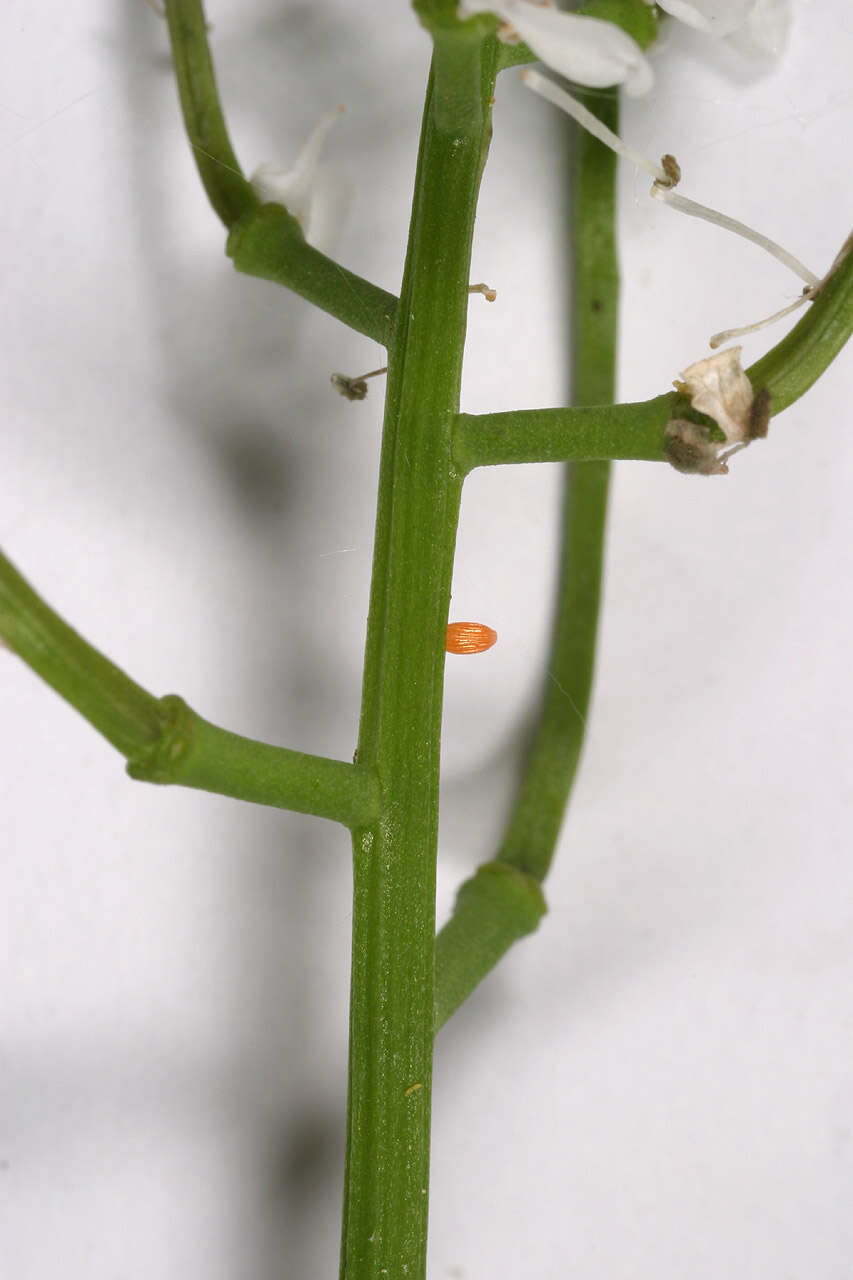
x: 318, y: 197
x: 714, y: 17
x: 757, y: 26
x: 599, y: 54
x: 587, y: 50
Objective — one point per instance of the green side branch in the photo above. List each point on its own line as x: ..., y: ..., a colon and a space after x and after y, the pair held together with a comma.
x: 497, y: 907
x: 554, y: 749
x: 265, y: 240
x: 164, y: 740
x: 637, y: 431
x: 491, y: 912
x: 588, y: 435
x: 192, y: 752
x: 227, y: 188
x: 503, y: 902
x: 120, y: 709
x: 577, y: 434
x: 268, y: 243
x: 796, y: 363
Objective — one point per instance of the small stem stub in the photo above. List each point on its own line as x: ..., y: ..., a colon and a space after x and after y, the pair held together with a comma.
x: 486, y: 290
x: 354, y: 388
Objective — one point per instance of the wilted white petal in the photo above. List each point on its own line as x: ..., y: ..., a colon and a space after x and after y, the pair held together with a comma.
x: 719, y: 388
x: 586, y: 50
x: 317, y: 196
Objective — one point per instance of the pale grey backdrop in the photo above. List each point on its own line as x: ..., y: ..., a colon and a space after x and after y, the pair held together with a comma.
x: 658, y: 1085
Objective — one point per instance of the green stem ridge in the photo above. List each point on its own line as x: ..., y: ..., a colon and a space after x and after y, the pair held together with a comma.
x: 268, y: 242
x: 162, y: 739
x: 491, y: 914
x: 392, y: 1001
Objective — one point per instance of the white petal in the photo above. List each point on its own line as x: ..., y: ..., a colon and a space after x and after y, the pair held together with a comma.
x: 274, y: 185
x: 317, y: 197
x: 330, y: 206
x: 715, y: 17
x: 586, y: 50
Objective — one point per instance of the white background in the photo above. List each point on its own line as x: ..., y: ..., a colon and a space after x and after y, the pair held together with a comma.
x: 656, y: 1086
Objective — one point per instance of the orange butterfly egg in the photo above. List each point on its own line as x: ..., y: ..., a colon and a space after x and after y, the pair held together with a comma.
x: 469, y: 637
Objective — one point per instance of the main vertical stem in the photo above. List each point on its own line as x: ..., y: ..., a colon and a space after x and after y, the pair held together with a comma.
x: 392, y: 998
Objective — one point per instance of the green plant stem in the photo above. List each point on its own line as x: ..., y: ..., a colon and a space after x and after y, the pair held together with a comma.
x: 795, y: 363
x: 265, y: 240
x: 227, y: 188
x: 192, y: 752
x: 555, y: 748
x: 163, y: 739
x: 491, y: 913
x: 121, y: 710
x: 269, y: 243
x: 592, y: 429
x: 392, y: 1015
x: 497, y: 907
x: 599, y: 432
x: 554, y: 752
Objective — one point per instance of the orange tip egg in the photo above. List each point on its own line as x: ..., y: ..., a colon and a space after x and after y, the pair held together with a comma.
x: 469, y: 637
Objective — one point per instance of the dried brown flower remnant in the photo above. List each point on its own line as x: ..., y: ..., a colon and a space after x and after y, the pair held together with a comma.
x: 718, y: 388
